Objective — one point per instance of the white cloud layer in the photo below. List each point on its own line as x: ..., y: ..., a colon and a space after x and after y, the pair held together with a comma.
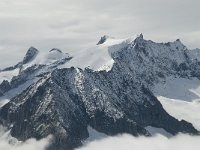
x: 159, y: 142
x: 9, y: 143
x: 73, y: 25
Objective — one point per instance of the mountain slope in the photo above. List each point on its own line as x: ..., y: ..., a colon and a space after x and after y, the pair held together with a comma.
x: 30, y: 70
x: 65, y: 102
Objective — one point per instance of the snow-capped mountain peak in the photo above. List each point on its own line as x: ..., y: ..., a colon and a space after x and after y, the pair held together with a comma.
x: 99, y: 56
x: 55, y: 55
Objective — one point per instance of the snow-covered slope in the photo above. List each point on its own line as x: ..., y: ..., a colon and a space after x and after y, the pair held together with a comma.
x: 98, y: 57
x: 182, y: 110
x: 181, y: 98
x: 195, y: 54
x: 15, y: 79
x: 183, y: 89
x: 48, y: 58
x: 8, y: 75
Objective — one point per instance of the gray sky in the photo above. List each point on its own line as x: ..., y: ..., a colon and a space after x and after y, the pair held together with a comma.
x: 75, y: 24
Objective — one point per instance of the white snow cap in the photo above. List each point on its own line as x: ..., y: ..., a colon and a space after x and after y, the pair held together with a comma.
x: 98, y: 57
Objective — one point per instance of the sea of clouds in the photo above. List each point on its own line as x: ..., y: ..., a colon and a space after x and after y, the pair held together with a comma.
x: 158, y: 142
x: 120, y: 142
x: 9, y: 143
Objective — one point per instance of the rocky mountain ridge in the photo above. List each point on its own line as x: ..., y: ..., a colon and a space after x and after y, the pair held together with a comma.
x: 65, y: 101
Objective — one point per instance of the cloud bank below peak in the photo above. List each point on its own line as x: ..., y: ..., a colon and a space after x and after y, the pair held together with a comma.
x: 158, y: 142
x: 9, y: 143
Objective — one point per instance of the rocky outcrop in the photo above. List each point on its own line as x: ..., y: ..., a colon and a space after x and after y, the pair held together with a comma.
x: 4, y: 87
x: 103, y: 39
x: 30, y: 55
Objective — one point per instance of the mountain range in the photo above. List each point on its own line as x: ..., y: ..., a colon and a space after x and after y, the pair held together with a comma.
x: 108, y: 88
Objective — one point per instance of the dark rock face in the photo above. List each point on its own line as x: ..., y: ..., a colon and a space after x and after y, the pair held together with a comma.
x: 64, y: 102
x: 4, y: 86
x: 30, y: 55
x: 103, y: 39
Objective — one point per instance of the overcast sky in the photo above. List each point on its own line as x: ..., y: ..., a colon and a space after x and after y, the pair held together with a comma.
x: 75, y: 24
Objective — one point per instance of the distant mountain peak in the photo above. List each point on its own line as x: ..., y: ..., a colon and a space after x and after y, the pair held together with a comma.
x: 139, y: 38
x: 104, y: 39
x: 178, y: 41
x: 30, y: 55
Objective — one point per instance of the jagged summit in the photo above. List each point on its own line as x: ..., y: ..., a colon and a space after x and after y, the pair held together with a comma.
x: 179, y: 42
x: 104, y: 39
x: 140, y: 36
x: 30, y: 55
x: 139, y: 39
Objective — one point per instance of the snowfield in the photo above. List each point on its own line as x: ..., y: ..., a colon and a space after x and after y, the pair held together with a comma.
x: 98, y: 57
x: 180, y: 97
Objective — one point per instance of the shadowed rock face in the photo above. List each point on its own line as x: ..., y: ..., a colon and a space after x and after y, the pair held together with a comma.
x: 103, y: 39
x: 4, y: 86
x: 64, y: 102
x: 30, y: 55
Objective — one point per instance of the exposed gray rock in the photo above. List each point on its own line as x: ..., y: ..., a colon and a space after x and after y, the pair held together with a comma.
x: 4, y: 86
x: 103, y: 39
x: 30, y: 55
